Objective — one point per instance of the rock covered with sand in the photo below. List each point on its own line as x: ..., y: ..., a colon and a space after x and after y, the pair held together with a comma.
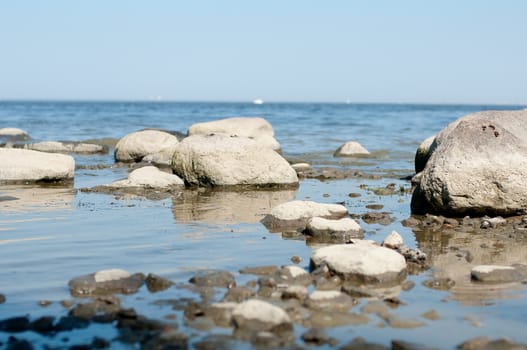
x: 257, y: 129
x: 218, y: 160
x: 18, y: 165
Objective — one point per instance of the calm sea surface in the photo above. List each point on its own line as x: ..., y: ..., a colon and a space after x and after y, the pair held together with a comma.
x: 49, y: 236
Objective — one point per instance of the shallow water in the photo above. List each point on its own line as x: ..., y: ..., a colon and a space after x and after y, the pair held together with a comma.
x: 50, y: 235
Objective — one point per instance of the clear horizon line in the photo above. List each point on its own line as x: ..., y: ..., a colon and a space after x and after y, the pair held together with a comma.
x: 146, y: 100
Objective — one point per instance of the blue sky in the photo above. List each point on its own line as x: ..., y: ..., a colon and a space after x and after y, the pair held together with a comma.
x: 470, y: 51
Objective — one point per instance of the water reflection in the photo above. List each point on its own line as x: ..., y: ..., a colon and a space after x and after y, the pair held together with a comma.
x: 227, y: 207
x: 36, y: 198
x: 453, y: 254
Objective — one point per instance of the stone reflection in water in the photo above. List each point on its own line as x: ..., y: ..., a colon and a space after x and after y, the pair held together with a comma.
x: 36, y: 198
x: 227, y: 207
x: 453, y: 253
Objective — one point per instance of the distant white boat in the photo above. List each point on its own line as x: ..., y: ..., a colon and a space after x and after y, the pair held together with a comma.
x: 258, y: 101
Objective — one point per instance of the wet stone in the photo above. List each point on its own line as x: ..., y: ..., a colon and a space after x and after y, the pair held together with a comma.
x: 69, y: 323
x: 406, y: 345
x: 106, y: 282
x: 325, y: 319
x: 108, y: 306
x: 260, y: 270
x: 431, y: 315
x: 330, y: 300
x: 220, y: 313
x: 439, y: 283
x: 498, y: 274
x: 218, y: 279
x: 259, y: 315
x: 295, y: 259
x: 155, y: 283
x: 361, y: 344
x: 43, y: 325
x: 216, y: 342
x: 382, y: 218
x: 317, y: 336
x: 484, y: 343
x: 15, y: 324
x: 18, y: 344
x: 295, y: 292
x: 2, y: 298
x: 239, y: 294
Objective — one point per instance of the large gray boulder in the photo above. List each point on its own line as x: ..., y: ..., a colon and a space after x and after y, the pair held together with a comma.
x: 218, y: 160
x: 258, y: 129
x: 154, y: 143
x: 18, y: 165
x: 478, y: 165
x: 362, y: 262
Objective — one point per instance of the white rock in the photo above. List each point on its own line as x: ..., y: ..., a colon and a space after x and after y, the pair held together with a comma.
x: 351, y: 148
x: 25, y: 165
x: 110, y: 275
x: 341, y: 225
x: 319, y: 295
x: 296, y: 214
x: 13, y: 132
x: 218, y: 160
x: 259, y: 315
x: 150, y: 177
x: 490, y: 268
x: 301, y: 167
x: 295, y: 271
x: 362, y: 262
x: 307, y: 209
x: 393, y: 241
x: 135, y: 146
x: 258, y: 129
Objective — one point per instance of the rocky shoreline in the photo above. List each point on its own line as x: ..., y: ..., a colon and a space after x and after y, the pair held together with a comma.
x: 350, y: 280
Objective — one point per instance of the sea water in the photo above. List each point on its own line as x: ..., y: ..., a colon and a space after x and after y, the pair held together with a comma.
x: 57, y: 234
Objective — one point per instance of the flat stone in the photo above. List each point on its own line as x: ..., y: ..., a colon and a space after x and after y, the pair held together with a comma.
x: 497, y: 274
x: 362, y: 262
x: 106, y: 282
x: 296, y: 214
x: 20, y: 165
x: 219, y: 279
x: 322, y: 230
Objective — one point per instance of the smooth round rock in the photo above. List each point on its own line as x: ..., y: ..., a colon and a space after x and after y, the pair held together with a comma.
x: 135, y: 146
x: 362, y: 262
